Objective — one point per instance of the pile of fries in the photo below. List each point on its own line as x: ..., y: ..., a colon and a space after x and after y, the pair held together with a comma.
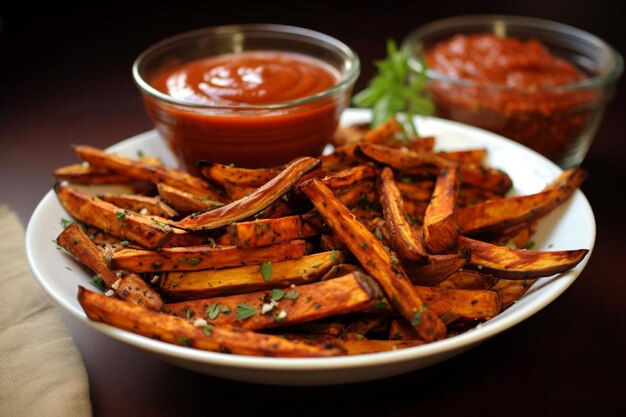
x: 381, y: 245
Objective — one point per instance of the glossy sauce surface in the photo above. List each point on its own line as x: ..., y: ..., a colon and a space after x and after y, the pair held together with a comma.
x: 222, y: 121
x: 256, y: 77
x: 510, y: 91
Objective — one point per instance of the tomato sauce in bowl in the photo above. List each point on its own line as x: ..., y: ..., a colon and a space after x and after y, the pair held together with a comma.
x: 253, y: 108
x: 541, y: 83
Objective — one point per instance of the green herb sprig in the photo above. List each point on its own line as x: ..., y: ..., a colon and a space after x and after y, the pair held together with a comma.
x: 396, y: 89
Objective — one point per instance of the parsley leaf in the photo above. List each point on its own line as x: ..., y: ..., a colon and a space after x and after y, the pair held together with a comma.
x: 266, y: 270
x: 97, y: 282
x: 245, y: 311
x: 277, y: 294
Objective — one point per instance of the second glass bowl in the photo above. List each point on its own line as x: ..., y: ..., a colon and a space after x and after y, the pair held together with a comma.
x: 558, y: 121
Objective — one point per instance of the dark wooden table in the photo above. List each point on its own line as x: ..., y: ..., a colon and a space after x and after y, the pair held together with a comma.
x: 66, y: 79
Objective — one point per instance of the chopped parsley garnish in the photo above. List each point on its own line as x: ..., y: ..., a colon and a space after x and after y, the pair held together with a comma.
x: 124, y: 243
x: 394, y: 260
x: 65, y: 223
x: 417, y: 318
x: 156, y: 265
x: 530, y: 245
x: 333, y: 255
x: 265, y: 228
x: 363, y: 244
x: 380, y: 305
x: 97, y: 282
x: 245, y: 311
x: 174, y: 284
x: 185, y: 341
x: 193, y: 261
x: 211, y: 242
x: 121, y: 215
x: 208, y: 330
x: 292, y: 295
x: 214, y: 310
x: 266, y: 271
x: 277, y: 294
x: 140, y: 153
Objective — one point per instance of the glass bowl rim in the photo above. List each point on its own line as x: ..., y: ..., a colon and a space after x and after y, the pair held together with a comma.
x: 614, y: 72
x: 305, y: 36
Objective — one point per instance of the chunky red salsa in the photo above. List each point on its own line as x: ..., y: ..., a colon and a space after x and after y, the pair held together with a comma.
x: 510, y: 90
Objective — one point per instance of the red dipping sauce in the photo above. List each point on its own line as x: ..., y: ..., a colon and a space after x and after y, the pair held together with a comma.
x: 253, y: 109
x: 512, y: 89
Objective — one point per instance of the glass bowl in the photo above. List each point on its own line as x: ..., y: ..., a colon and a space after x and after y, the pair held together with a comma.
x: 558, y: 120
x: 248, y: 135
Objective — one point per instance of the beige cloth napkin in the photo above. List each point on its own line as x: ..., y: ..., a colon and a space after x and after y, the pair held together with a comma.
x: 41, y: 371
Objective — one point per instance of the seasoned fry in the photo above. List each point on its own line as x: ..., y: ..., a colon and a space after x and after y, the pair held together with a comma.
x: 184, y: 201
x: 510, y: 291
x: 413, y: 162
x: 266, y: 232
x: 253, y: 203
x: 469, y: 280
x: 349, y: 176
x: 438, y: 268
x: 492, y: 216
x: 440, y: 229
x: 470, y: 156
x: 402, y: 236
x: 179, y: 331
x: 141, y: 204
x: 83, y: 173
x: 213, y: 283
x: 240, y: 177
x: 194, y: 258
x: 417, y: 191
x: 401, y: 330
x: 145, y: 172
x: 268, y: 309
x: 376, y: 261
x: 127, y: 286
x: 118, y: 222
x: 510, y: 263
x: 454, y: 303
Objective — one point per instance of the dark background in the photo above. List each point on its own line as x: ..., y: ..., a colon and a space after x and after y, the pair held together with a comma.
x: 65, y: 78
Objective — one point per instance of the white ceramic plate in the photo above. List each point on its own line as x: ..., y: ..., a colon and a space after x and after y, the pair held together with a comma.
x: 571, y: 226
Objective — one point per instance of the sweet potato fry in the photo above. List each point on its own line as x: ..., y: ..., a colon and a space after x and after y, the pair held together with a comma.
x: 417, y: 191
x: 185, y: 202
x: 440, y: 229
x: 349, y: 176
x: 400, y: 159
x: 401, y: 330
x: 236, y: 193
x: 470, y: 156
x: 402, y: 236
x: 145, y: 172
x: 437, y: 269
x: 141, y: 204
x: 343, y: 157
x: 240, y: 177
x: 281, y: 274
x: 268, y: 309
x: 194, y: 258
x: 376, y: 260
x: 266, y: 232
x: 253, y: 203
x: 466, y: 304
x: 118, y: 222
x: 203, y: 336
x: 127, y: 286
x: 493, y: 216
x: 469, y: 280
x: 413, y: 162
x: 509, y: 291
x: 510, y: 263
x: 83, y: 173
x: 360, y: 347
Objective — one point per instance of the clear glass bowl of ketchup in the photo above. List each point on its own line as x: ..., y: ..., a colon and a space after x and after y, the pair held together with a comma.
x: 254, y: 95
x: 541, y: 83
